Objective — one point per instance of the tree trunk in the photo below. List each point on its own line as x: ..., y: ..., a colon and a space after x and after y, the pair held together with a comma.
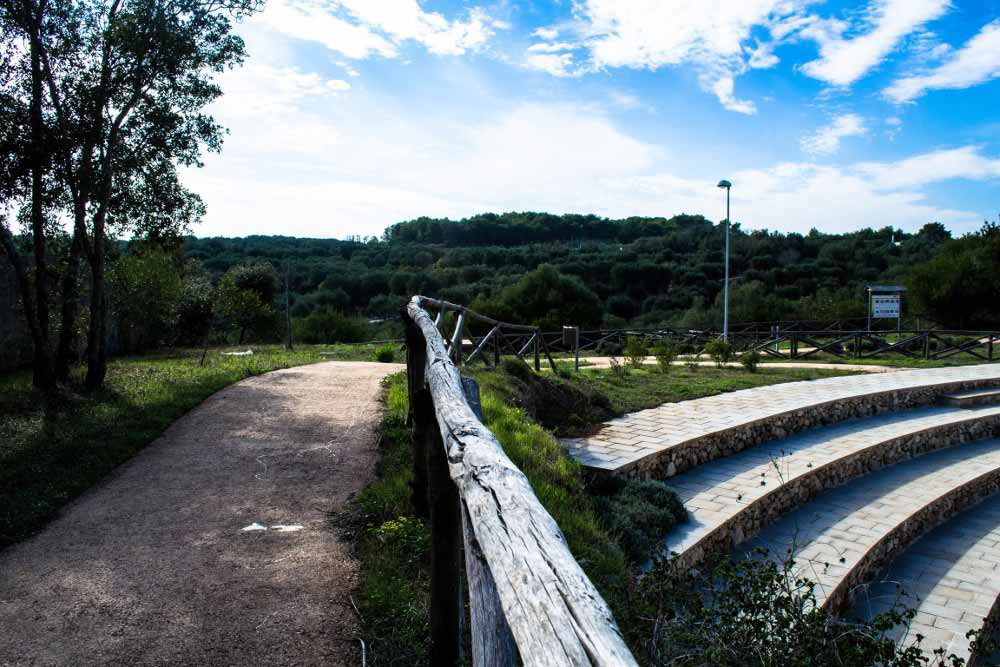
x: 44, y: 375
x: 97, y: 363
x: 67, y: 351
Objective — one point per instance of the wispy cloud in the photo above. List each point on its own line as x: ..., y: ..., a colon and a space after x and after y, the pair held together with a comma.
x: 849, y: 51
x: 976, y: 62
x: 826, y: 140
x: 358, y: 29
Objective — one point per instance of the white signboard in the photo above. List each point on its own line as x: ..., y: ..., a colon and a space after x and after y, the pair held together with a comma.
x: 885, y: 306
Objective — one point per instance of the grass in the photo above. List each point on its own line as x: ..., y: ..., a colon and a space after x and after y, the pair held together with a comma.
x: 51, y: 451
x: 648, y: 387
x: 394, y: 594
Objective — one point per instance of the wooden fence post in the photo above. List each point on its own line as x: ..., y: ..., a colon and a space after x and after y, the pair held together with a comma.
x: 447, y: 608
x: 538, y: 359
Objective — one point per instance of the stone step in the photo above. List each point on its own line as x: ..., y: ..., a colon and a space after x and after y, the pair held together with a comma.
x: 949, y: 576
x: 972, y: 398
x: 843, y: 537
x: 663, y: 441
x: 731, y: 499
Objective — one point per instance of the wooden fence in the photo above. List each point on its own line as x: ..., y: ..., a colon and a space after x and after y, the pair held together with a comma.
x: 529, y: 600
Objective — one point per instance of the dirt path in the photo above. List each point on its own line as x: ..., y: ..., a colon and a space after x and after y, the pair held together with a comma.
x: 157, y: 566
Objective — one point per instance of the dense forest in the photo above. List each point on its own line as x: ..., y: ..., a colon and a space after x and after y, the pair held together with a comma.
x: 529, y: 267
x: 644, y: 271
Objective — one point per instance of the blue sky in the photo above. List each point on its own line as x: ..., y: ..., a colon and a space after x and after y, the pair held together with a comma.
x: 351, y: 115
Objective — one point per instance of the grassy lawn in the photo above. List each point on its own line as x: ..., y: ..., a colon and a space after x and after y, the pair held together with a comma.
x: 50, y: 453
x: 648, y: 387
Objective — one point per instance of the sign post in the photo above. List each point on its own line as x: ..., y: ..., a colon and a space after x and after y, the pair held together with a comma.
x: 885, y: 303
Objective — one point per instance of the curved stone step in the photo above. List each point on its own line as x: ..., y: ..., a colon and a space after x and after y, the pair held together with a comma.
x: 663, y: 441
x: 731, y: 499
x: 842, y: 537
x: 973, y: 398
x: 951, y: 576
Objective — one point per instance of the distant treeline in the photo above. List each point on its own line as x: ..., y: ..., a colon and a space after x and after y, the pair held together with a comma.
x: 644, y: 271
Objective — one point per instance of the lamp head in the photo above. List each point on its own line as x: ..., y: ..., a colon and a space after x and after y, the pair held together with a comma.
x: 725, y: 184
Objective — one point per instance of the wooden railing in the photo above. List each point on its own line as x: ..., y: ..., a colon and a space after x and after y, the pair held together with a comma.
x: 529, y: 600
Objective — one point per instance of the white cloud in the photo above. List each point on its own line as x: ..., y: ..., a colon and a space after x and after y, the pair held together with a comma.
x: 845, y: 57
x: 826, y: 140
x: 656, y: 33
x: 546, y: 33
x: 976, y: 62
x: 314, y: 166
x: 556, y: 64
x: 723, y: 89
x: 965, y: 162
x: 260, y: 89
x: 361, y: 28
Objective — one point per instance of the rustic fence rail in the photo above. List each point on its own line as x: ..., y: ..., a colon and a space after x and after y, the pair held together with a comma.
x: 529, y: 600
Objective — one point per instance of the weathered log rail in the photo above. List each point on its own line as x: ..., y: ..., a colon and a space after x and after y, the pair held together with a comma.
x: 529, y: 600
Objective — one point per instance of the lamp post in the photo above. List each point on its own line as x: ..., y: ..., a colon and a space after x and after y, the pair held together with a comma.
x: 725, y: 288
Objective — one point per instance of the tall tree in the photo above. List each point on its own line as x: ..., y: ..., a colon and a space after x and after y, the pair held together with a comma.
x: 125, y: 84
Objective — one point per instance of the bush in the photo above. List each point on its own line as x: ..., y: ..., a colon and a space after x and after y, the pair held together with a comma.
x: 720, y: 351
x: 635, y: 351
x: 385, y: 353
x: 750, y: 360
x: 665, y: 353
x: 618, y: 369
x: 640, y: 514
x: 326, y: 325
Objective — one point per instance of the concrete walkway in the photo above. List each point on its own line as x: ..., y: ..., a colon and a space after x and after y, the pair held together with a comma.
x: 215, y: 545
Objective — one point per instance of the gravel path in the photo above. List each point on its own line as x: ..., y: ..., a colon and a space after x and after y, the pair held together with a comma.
x: 167, y: 561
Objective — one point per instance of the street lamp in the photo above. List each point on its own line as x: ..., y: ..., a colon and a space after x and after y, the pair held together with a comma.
x: 725, y: 288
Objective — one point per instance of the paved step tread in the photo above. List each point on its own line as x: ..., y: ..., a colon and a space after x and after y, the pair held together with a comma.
x: 624, y: 441
x: 720, y: 495
x: 838, y: 537
x: 951, y: 576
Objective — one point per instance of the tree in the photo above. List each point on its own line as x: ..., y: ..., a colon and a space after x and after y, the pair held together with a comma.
x: 245, y: 297
x: 114, y: 93
x: 960, y: 287
x: 547, y: 298
x: 147, y: 289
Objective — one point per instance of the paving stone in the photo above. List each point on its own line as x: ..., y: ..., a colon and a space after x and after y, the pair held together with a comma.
x: 915, y: 496
x: 943, y: 574
x: 696, y: 431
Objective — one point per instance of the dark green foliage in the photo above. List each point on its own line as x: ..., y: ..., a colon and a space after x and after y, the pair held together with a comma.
x: 195, y: 310
x: 547, y: 298
x: 329, y: 326
x: 385, y: 353
x: 643, y: 271
x: 665, y: 353
x: 750, y: 360
x: 757, y: 612
x: 635, y: 351
x: 961, y: 286
x: 639, y: 514
x: 720, y: 351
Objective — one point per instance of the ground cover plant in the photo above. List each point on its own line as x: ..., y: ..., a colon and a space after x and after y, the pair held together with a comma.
x: 51, y: 450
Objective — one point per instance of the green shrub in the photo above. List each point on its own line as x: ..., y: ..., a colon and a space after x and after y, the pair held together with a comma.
x: 635, y: 351
x: 385, y: 353
x: 720, y: 351
x: 619, y: 370
x: 750, y: 360
x: 640, y: 513
x: 665, y: 353
x: 326, y: 325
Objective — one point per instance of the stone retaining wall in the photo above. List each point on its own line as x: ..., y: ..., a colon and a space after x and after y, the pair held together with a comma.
x: 678, y: 458
x: 909, y: 531
x: 766, y: 509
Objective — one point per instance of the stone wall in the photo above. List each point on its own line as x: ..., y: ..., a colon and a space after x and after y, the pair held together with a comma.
x: 794, y: 492
x: 673, y: 460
